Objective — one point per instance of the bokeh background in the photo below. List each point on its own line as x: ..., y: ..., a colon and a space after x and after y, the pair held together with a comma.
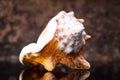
x: 21, y: 22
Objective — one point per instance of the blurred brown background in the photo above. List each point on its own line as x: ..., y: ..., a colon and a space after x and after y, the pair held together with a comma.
x: 21, y: 22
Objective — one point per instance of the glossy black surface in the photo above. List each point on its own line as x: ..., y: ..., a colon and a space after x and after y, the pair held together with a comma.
x: 18, y: 72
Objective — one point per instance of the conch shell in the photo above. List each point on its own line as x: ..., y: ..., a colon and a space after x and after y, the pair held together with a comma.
x: 61, y: 42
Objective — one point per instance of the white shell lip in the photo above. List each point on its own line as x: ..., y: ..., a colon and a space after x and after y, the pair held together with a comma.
x: 31, y: 48
x: 46, y: 36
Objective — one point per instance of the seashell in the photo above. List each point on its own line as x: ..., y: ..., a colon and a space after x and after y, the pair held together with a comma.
x: 62, y: 41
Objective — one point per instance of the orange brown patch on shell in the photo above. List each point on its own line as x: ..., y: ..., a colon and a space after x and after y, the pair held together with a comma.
x: 50, y: 56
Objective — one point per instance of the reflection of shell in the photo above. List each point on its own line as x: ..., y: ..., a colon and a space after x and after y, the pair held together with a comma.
x: 37, y: 74
x: 63, y: 35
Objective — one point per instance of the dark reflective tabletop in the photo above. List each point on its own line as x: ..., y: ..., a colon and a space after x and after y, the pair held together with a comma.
x: 18, y: 72
x: 36, y: 74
